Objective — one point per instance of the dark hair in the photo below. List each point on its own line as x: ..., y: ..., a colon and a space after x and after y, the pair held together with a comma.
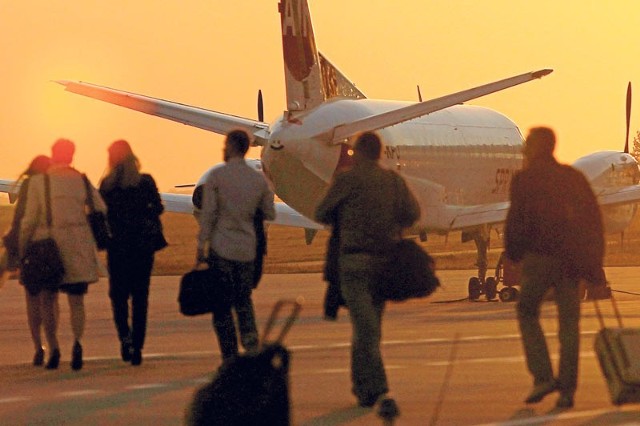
x: 368, y: 145
x: 540, y: 143
x: 238, y: 140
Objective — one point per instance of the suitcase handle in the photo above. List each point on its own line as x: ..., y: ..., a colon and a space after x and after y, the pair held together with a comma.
x: 615, y: 309
x: 296, y: 306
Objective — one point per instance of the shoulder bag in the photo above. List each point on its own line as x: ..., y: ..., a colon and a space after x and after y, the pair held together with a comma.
x: 97, y: 219
x: 409, y: 271
x: 41, y: 265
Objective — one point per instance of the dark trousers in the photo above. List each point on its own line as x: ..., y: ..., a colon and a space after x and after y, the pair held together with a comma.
x: 357, y: 273
x: 539, y: 274
x: 129, y: 277
x: 239, y: 277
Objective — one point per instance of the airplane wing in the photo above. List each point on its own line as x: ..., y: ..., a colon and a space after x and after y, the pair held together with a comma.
x: 285, y: 215
x: 459, y: 217
x: 625, y: 195
x: 198, y: 117
x: 9, y: 187
x: 344, y: 131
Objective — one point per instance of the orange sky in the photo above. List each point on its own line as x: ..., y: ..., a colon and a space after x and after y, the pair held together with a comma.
x: 217, y: 54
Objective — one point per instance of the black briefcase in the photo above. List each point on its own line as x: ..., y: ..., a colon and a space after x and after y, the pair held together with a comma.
x: 202, y: 291
x: 250, y: 389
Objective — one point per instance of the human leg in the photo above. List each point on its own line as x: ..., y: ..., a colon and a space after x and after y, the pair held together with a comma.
x: 75, y: 296
x: 225, y: 329
x: 535, y: 282
x: 49, y: 312
x: 243, y: 280
x: 34, y: 319
x: 368, y: 376
x: 119, y: 295
x: 141, y: 275
x: 568, y: 301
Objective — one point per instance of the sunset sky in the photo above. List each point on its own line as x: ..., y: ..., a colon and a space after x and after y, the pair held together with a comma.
x: 217, y: 54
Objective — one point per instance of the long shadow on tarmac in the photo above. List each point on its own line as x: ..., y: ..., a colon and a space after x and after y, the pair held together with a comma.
x: 338, y: 417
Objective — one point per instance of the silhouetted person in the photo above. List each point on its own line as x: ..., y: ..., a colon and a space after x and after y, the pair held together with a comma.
x: 232, y: 196
x: 71, y: 232
x: 133, y: 212
x: 370, y: 206
x: 554, y: 227
x: 40, y: 164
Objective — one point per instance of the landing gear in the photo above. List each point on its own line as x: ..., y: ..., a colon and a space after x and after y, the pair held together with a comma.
x: 479, y: 285
x: 506, y: 273
x: 508, y: 294
x: 477, y: 288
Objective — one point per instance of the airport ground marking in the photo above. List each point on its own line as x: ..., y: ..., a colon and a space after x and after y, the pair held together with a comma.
x: 567, y: 415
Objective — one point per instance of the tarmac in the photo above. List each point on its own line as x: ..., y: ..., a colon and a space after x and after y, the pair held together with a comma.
x: 449, y: 361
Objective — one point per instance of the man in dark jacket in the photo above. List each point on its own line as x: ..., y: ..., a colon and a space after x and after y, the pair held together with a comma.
x: 554, y: 227
x: 370, y: 206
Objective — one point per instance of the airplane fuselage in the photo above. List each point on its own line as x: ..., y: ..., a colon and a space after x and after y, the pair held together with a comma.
x: 463, y: 155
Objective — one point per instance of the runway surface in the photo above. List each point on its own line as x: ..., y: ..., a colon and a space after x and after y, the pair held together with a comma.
x: 483, y: 384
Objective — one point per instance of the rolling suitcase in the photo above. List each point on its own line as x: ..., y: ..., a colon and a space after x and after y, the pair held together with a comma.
x: 252, y: 388
x: 618, y: 352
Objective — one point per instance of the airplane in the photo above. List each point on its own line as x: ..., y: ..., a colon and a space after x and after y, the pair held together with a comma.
x: 458, y: 159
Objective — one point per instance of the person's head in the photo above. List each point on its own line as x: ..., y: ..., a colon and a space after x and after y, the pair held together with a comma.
x: 367, y: 147
x: 236, y: 144
x: 539, y: 145
x: 40, y: 164
x: 118, y: 152
x: 62, y: 152
x: 124, y: 167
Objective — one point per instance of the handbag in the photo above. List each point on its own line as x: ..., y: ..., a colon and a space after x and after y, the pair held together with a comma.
x: 41, y: 265
x: 409, y: 272
x: 203, y: 291
x: 97, y: 219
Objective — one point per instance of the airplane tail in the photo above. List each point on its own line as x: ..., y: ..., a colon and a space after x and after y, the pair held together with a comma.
x: 310, y: 77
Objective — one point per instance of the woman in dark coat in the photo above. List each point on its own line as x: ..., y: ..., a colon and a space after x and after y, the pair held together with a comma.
x: 133, y: 211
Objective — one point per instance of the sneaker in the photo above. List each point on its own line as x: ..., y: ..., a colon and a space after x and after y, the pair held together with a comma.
x: 540, y: 391
x: 565, y: 401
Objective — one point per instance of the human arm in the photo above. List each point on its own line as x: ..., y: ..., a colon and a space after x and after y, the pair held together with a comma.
x: 208, y: 217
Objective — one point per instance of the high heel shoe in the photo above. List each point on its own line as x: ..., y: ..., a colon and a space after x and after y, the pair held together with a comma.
x: 54, y: 360
x: 38, y: 357
x: 76, y: 356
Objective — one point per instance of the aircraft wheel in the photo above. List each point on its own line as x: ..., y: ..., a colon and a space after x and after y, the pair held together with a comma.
x: 508, y: 294
x: 475, y: 288
x: 491, y: 288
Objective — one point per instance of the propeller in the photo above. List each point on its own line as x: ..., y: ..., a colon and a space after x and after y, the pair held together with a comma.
x: 419, y: 94
x: 260, y: 107
x: 626, y: 143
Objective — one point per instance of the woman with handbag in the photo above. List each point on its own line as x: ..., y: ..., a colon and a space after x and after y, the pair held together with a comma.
x: 134, y: 209
x: 55, y: 209
x: 38, y: 165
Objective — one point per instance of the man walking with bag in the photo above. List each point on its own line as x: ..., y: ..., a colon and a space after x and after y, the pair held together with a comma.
x: 370, y: 205
x: 554, y: 227
x: 233, y: 194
